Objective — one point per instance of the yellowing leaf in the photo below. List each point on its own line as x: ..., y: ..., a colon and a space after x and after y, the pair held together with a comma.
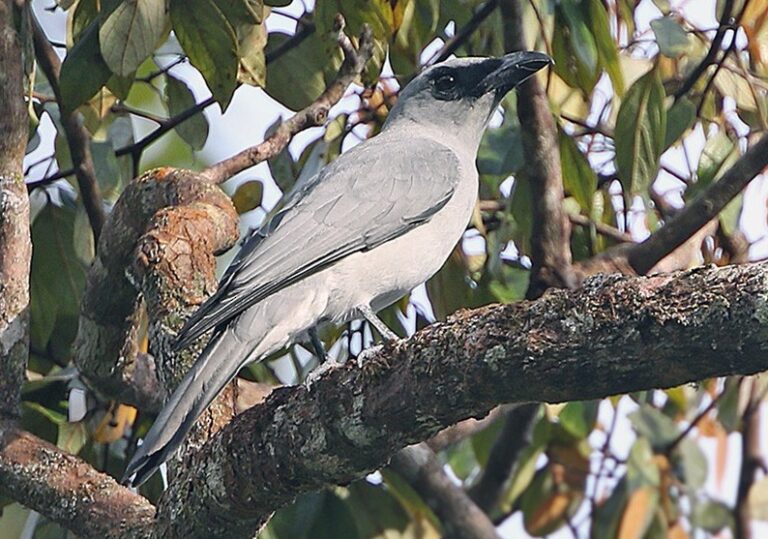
x: 113, y: 424
x: 549, y: 515
x: 638, y: 513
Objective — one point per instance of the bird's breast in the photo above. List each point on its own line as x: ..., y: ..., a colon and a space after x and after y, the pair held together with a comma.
x: 383, y: 275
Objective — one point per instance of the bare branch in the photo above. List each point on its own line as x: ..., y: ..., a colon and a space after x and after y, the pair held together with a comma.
x: 550, y: 237
x: 643, y: 256
x: 465, y: 32
x: 67, y: 490
x: 512, y: 439
x: 78, y: 138
x: 461, y: 518
x: 714, y: 49
x: 614, y: 335
x: 314, y: 114
x: 751, y: 458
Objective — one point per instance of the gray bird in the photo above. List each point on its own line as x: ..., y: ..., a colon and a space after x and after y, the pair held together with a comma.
x: 368, y: 228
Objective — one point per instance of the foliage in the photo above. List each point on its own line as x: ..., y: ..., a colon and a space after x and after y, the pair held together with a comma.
x: 622, y: 135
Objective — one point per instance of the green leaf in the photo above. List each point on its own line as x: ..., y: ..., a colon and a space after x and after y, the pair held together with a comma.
x: 522, y: 476
x: 578, y: 177
x: 248, y: 196
x: 375, y: 509
x: 640, y: 132
x: 57, y: 278
x: 501, y: 149
x: 300, y: 75
x: 72, y: 437
x: 642, y: 470
x: 718, y: 154
x: 578, y: 418
x: 711, y: 516
x: 378, y: 14
x: 210, y: 41
x: 83, y: 71
x: 242, y: 12
x: 278, y: 3
x: 690, y: 464
x: 194, y: 131
x: 606, y: 47
x: 461, y: 459
x: 252, y: 68
x: 131, y: 32
x: 573, y: 46
x: 728, y: 413
x: 680, y: 117
x: 672, y: 40
x: 607, y: 515
x: 318, y: 514
x: 650, y: 423
x: 80, y: 19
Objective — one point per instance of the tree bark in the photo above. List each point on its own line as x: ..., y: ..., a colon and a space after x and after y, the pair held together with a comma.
x: 15, y: 242
x: 614, y: 335
x: 67, y: 490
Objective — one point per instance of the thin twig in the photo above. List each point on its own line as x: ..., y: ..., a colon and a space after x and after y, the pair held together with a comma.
x: 461, y: 36
x: 31, y: 186
x: 714, y: 48
x: 77, y: 136
x: 314, y: 114
x: 460, y: 516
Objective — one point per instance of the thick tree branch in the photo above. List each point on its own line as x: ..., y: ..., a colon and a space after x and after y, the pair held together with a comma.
x: 15, y: 245
x: 461, y: 518
x: 198, y: 221
x: 78, y: 138
x: 614, y: 335
x: 68, y: 490
x: 314, y: 114
x: 550, y: 237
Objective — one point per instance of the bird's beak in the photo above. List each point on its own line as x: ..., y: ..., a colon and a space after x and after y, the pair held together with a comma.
x: 512, y: 69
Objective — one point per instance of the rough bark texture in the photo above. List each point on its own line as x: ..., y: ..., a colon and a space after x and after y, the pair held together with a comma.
x: 15, y: 243
x: 461, y: 518
x: 550, y: 237
x: 159, y: 243
x: 68, y: 490
x: 614, y: 335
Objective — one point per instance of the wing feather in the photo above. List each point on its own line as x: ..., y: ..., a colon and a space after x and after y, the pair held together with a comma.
x: 370, y: 195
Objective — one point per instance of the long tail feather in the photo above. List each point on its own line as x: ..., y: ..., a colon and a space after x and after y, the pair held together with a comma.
x: 216, y: 366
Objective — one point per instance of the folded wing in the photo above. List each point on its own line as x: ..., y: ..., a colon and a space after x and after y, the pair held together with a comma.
x: 368, y: 196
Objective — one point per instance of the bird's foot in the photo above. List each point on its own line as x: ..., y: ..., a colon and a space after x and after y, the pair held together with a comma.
x: 327, y: 365
x: 363, y: 356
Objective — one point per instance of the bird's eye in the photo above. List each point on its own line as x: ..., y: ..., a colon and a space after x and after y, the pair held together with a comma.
x: 444, y: 83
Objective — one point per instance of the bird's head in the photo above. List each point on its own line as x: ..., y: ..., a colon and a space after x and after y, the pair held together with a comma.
x: 458, y: 96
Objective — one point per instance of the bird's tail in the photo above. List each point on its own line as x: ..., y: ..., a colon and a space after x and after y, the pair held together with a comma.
x: 216, y: 366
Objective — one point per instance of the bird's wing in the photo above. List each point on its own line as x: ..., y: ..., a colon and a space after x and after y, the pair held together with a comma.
x: 370, y: 195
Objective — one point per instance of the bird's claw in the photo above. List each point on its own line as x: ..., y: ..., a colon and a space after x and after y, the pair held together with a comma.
x: 365, y: 354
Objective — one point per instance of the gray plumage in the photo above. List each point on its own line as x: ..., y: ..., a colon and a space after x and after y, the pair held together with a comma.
x: 378, y: 221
